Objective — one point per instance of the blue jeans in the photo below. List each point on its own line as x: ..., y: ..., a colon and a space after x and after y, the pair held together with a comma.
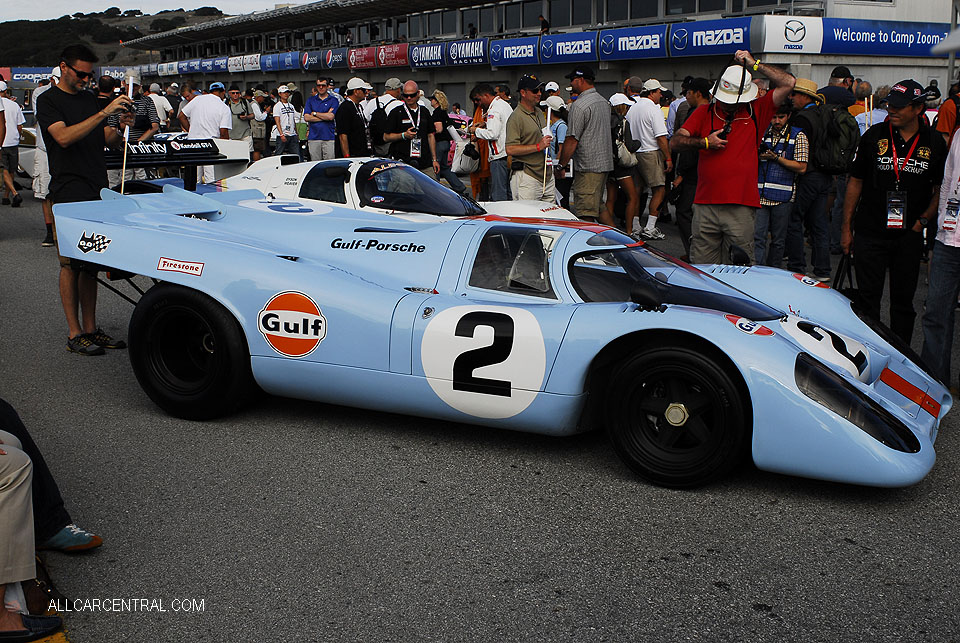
x: 443, y: 154
x: 810, y: 212
x: 292, y: 146
x: 940, y: 307
x: 773, y: 219
x: 500, y: 180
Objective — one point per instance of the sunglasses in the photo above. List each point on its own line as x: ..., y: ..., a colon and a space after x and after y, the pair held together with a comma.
x: 415, y: 95
x: 321, y: 84
x: 82, y: 75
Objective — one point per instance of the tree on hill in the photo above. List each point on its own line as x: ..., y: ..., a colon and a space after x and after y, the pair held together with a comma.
x: 166, y: 24
x: 207, y: 11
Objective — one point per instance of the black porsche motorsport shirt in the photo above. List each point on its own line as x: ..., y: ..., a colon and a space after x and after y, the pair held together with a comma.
x: 920, y: 174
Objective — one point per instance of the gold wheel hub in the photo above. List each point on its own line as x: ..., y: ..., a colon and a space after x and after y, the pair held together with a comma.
x: 676, y: 414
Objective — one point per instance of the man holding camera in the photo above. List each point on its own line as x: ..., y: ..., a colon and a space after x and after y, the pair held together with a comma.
x: 409, y: 131
x: 727, y: 133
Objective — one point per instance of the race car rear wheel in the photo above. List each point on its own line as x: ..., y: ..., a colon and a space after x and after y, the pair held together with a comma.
x: 189, y: 353
x: 676, y: 417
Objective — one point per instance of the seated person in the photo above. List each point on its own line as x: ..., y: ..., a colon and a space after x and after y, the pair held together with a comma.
x: 17, y: 558
x: 52, y: 525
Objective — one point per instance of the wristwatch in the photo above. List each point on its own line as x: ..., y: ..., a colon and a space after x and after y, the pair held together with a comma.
x: 923, y: 221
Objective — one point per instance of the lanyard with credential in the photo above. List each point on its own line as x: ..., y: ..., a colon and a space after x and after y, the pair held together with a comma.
x: 896, y: 161
x: 416, y: 124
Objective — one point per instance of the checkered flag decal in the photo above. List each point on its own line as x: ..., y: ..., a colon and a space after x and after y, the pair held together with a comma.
x: 93, y: 241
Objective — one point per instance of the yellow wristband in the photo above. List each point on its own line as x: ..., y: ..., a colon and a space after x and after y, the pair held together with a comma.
x: 706, y: 143
x: 756, y: 65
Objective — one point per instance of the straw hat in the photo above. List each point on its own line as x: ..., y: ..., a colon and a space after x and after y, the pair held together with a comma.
x: 807, y: 87
x: 730, y: 90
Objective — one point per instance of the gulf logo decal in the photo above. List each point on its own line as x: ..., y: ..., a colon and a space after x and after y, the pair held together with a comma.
x: 748, y: 326
x: 292, y: 324
x: 809, y: 281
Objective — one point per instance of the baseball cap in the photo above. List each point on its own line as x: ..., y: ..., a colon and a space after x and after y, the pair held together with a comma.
x: 292, y: 87
x: 259, y: 93
x: 155, y: 87
x: 216, y: 85
x: 635, y: 84
x: 55, y: 72
x: 551, y: 87
x: 282, y: 88
x: 653, y: 85
x: 233, y: 88
x: 175, y: 86
x: 133, y: 75
x: 906, y: 92
x: 358, y: 83
x: 841, y: 71
x: 393, y: 83
x: 3, y: 86
x: 581, y: 71
x: 621, y: 99
x: 553, y: 102
x: 528, y: 82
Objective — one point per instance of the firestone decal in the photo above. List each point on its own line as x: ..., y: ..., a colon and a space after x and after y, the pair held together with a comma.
x: 194, y: 268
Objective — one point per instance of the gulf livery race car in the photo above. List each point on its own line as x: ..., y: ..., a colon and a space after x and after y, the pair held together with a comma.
x: 545, y: 326
x: 369, y: 184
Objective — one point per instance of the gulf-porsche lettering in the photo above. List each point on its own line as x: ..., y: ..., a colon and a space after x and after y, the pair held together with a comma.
x: 575, y: 47
x: 375, y: 244
x: 292, y: 324
x: 713, y: 37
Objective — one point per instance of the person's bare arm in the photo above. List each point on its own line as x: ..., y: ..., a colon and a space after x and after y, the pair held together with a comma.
x: 665, y: 150
x: 682, y: 140
x: 566, y: 152
x: 66, y: 135
x: 782, y: 82
x: 224, y: 133
x: 344, y: 145
x: 154, y: 128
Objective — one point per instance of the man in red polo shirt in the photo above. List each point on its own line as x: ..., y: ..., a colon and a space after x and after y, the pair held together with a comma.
x: 727, y: 131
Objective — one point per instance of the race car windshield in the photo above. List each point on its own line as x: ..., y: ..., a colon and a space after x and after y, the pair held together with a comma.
x: 609, y: 276
x: 392, y: 185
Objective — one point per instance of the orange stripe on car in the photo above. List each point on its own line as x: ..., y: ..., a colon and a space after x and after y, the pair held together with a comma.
x: 911, y: 392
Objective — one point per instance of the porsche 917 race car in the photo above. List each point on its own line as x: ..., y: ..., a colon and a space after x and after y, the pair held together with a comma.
x: 372, y: 184
x: 544, y: 326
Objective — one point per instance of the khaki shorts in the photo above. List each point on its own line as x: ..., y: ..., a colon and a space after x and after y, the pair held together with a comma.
x: 587, y: 193
x: 717, y: 227
x: 650, y: 169
x: 41, y: 174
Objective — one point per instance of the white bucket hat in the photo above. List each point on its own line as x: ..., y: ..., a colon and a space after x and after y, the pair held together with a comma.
x: 730, y: 90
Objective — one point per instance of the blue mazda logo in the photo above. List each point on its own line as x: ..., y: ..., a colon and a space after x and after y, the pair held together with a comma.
x: 606, y: 44
x: 679, y: 39
x: 495, y: 52
x: 546, y: 48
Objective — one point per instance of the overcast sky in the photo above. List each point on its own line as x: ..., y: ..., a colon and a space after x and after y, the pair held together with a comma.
x: 51, y: 9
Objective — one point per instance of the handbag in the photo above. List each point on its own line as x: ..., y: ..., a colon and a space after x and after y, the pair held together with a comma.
x: 843, y: 281
x: 625, y: 158
x: 464, y: 161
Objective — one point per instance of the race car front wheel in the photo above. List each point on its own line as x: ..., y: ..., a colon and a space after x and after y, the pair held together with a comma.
x: 676, y: 417
x: 189, y: 353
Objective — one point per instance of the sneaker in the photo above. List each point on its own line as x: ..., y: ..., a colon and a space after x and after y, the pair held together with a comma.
x: 652, y: 234
x: 72, y: 538
x: 823, y: 280
x: 17, y: 200
x: 47, y: 241
x: 100, y: 338
x: 5, y: 201
x: 83, y: 345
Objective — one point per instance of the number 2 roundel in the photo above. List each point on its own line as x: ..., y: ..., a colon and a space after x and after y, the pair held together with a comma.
x: 486, y: 361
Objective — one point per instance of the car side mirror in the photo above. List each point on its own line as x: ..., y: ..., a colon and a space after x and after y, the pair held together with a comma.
x: 739, y: 256
x: 646, y: 296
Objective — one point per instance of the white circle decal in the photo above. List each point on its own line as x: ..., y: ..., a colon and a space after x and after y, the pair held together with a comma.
x: 486, y: 361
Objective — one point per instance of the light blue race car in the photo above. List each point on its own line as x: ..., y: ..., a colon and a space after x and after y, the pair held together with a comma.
x: 544, y: 326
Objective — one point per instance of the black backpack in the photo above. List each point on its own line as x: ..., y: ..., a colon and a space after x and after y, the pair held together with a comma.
x: 834, y: 139
x: 378, y: 125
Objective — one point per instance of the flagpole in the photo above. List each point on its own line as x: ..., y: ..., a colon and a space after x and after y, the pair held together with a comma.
x: 126, y: 137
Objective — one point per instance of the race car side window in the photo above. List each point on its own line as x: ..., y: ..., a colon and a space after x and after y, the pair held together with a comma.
x: 323, y: 186
x: 515, y: 260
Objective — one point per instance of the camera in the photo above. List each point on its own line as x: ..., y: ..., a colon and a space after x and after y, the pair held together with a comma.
x: 764, y: 148
x: 471, y: 151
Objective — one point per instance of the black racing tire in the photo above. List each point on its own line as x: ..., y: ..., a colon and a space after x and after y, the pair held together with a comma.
x: 709, y: 433
x: 189, y: 353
